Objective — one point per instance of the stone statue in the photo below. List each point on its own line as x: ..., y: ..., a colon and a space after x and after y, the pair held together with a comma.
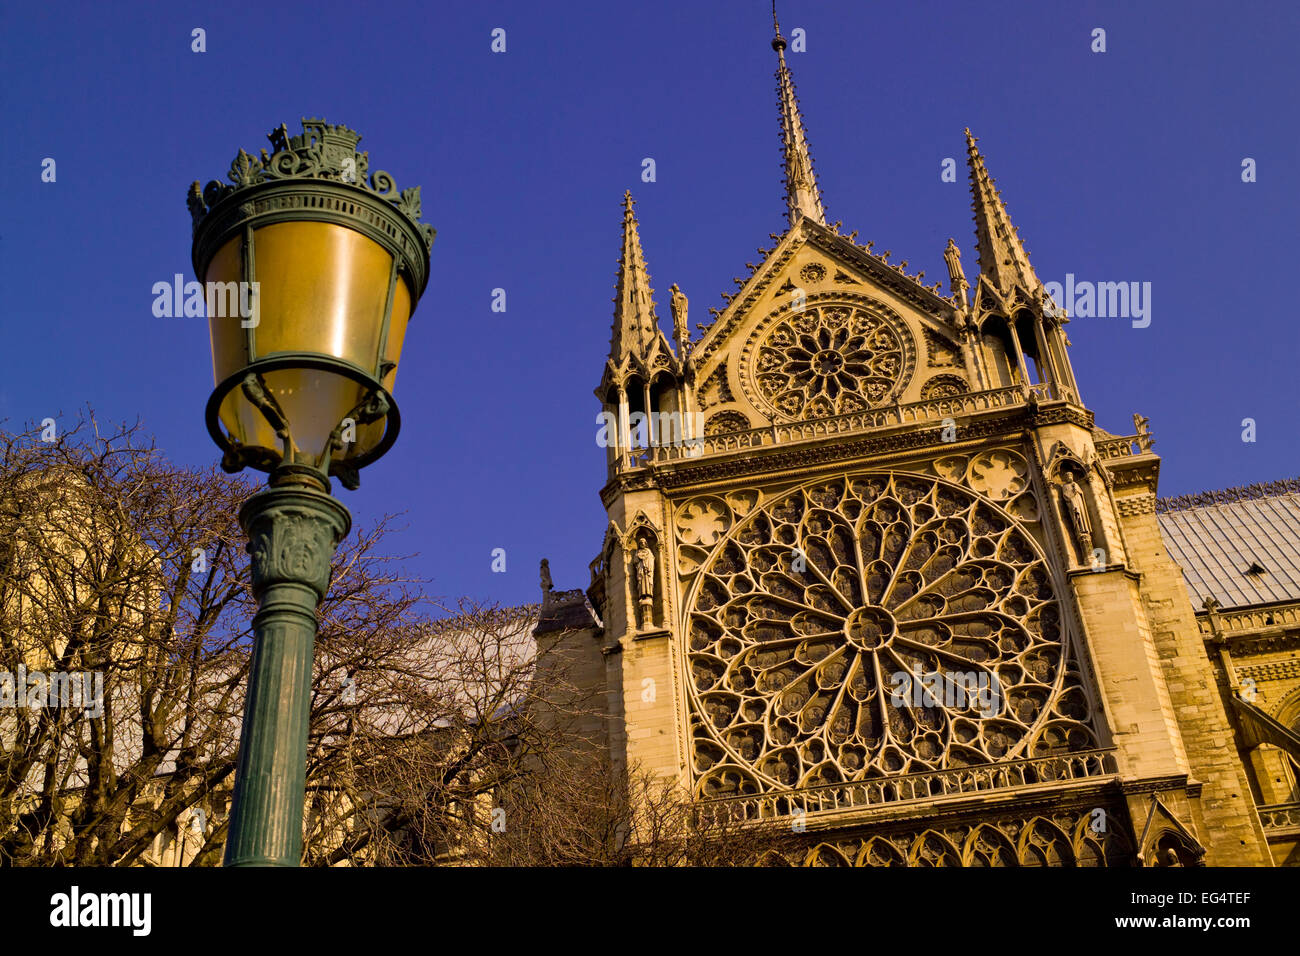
x: 644, y: 566
x: 1169, y: 857
x: 681, y: 331
x: 1212, y: 612
x: 547, y: 583
x: 1076, y: 509
x: 1143, y: 426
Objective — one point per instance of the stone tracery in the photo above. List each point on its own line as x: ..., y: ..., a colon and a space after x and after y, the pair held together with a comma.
x: 811, y: 604
x: 832, y: 358
x: 1065, y: 837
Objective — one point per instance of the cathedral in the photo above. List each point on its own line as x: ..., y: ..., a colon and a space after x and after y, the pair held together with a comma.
x: 871, y: 568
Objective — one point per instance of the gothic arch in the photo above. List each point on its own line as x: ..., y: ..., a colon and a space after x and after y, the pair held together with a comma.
x: 997, y: 351
x: 726, y: 422
x: 944, y: 386
x: 880, y: 852
x: 989, y: 846
x: 824, y: 854
x: 1042, y: 843
x: 1169, y: 844
x: 1287, y: 711
x: 1027, y: 335
x: 1166, y: 841
x: 933, y: 849
x: 1100, y: 841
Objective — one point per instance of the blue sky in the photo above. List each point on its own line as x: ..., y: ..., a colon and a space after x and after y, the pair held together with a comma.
x: 1116, y: 166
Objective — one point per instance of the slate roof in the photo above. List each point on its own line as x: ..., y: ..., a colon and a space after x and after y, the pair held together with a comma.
x: 564, y: 611
x: 1217, y: 537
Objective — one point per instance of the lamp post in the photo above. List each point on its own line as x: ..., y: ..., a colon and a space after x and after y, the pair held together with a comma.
x: 312, y: 267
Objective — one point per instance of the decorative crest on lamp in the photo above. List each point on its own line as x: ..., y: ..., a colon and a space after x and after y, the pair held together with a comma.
x: 323, y: 151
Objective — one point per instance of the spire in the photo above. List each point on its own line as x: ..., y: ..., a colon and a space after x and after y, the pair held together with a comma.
x: 801, y: 194
x: 635, y: 323
x: 1002, y: 256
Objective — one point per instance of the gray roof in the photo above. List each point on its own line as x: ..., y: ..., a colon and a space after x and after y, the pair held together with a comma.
x: 1216, y: 544
x: 565, y: 611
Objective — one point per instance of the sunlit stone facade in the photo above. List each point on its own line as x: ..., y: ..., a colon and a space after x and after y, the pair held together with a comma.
x: 887, y: 579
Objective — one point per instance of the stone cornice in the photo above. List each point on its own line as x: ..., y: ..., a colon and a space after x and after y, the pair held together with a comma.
x: 773, y: 460
x: 1158, y: 785
x: 1134, y: 470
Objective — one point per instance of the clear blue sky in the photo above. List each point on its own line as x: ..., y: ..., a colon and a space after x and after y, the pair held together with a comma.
x: 1122, y: 166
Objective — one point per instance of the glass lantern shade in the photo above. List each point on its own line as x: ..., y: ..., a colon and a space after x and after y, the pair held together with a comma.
x: 329, y: 314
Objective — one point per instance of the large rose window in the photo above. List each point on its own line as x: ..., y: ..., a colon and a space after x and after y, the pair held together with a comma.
x: 805, y: 617
x: 830, y: 359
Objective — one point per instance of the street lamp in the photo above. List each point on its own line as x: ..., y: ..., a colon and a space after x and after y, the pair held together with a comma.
x: 312, y: 267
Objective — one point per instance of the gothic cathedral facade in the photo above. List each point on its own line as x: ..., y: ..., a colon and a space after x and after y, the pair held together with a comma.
x: 870, y: 566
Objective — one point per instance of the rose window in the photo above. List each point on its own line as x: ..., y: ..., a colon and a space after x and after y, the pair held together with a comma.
x: 830, y: 360
x: 871, y: 626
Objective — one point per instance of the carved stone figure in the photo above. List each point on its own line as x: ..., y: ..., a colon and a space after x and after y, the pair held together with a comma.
x: 547, y: 583
x: 644, y: 566
x: 1143, y: 427
x: 1076, y: 510
x: 681, y: 330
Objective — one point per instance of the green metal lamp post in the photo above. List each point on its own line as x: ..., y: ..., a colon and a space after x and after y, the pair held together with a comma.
x: 312, y: 267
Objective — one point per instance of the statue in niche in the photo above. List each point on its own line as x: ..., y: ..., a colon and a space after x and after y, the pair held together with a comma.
x: 643, y: 563
x: 1076, y: 510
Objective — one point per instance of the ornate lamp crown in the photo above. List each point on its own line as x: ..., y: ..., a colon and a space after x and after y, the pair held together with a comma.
x: 323, y: 151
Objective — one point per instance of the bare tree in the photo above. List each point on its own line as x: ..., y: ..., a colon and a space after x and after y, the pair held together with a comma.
x: 434, y: 736
x: 114, y: 561
x: 411, y: 772
x: 591, y: 811
x: 116, y: 564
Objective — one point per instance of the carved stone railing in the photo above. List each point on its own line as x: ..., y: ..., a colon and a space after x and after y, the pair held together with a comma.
x: 1120, y: 447
x: 1229, y: 623
x: 1280, y: 819
x: 911, y: 788
x: 888, y: 416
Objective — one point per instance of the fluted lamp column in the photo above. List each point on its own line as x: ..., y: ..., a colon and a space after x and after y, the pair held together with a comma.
x: 312, y: 267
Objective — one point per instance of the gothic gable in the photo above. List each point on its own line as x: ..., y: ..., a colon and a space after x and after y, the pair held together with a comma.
x: 824, y: 328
